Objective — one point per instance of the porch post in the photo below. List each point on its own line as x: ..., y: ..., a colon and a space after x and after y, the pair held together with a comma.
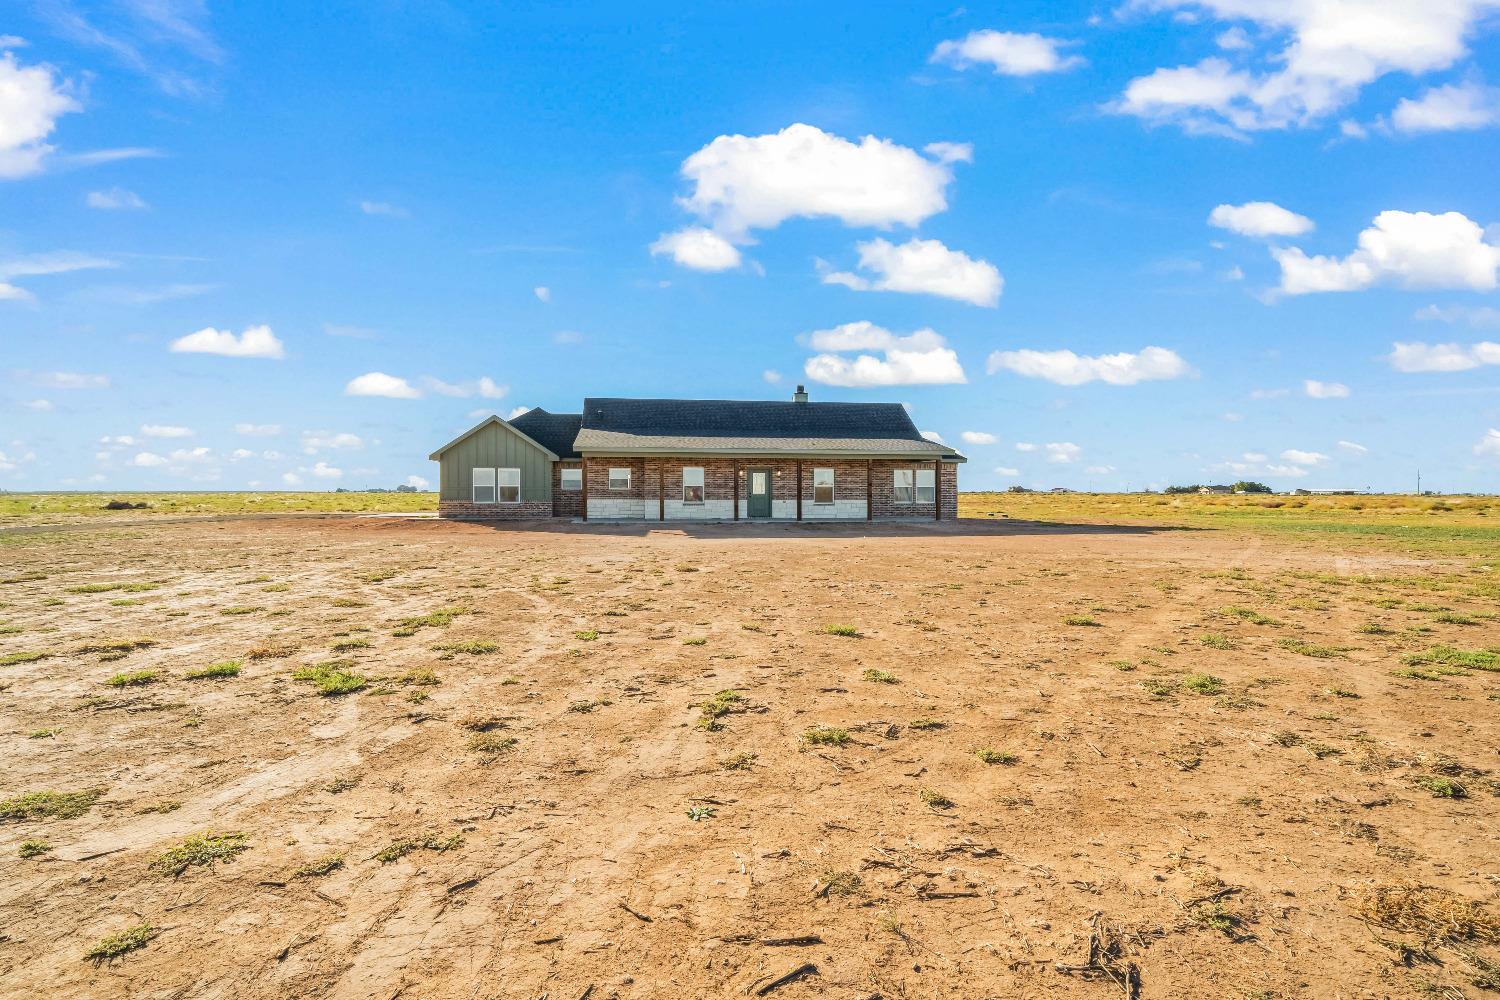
x: 869, y: 489
x: 585, y: 487
x: 937, y: 489
x: 799, y: 489
x: 661, y: 490
x: 734, y: 473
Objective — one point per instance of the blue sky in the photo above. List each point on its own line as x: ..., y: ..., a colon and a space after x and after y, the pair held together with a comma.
x: 1101, y: 246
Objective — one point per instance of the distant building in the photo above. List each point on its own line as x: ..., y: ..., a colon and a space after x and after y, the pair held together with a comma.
x: 1330, y: 493
x: 1215, y: 490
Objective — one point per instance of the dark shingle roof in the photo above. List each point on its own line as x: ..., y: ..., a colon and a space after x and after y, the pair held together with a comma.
x: 553, y: 431
x: 751, y: 425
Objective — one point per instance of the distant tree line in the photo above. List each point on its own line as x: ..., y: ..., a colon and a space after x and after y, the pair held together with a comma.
x: 1243, y: 486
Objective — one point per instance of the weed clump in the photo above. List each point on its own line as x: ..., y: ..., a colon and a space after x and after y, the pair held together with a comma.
x: 1203, y: 683
x: 112, y: 947
x: 332, y: 678
x: 441, y: 618
x: 321, y: 867
x: 12, y: 659
x: 1433, y: 913
x: 846, y: 631
x: 717, y: 707
x: 33, y: 848
x: 880, y: 677
x: 200, y: 850
x: 827, y: 736
x: 402, y: 848
x: 215, y: 671
x: 997, y: 756
x: 49, y: 805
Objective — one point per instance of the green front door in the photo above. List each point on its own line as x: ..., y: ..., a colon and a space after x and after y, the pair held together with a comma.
x: 758, y: 486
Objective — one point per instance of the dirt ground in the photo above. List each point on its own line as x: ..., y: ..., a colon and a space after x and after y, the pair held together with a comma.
x: 1202, y: 750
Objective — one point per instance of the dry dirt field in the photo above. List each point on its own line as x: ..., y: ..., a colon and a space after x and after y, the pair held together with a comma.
x: 989, y: 759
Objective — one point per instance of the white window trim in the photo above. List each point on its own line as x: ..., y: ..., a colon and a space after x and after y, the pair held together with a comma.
x: 500, y: 485
x: 930, y: 489
x: 832, y: 488
x: 619, y: 489
x: 475, y: 485
x: 701, y: 484
x: 897, y: 486
x: 562, y: 480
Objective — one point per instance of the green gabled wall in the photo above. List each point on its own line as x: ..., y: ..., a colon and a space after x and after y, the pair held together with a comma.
x: 494, y: 446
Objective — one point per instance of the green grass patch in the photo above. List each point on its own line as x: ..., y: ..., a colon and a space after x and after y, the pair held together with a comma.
x: 717, y: 707
x: 997, y: 756
x: 1441, y: 788
x: 846, y: 631
x: 586, y: 635
x: 880, y: 677
x: 1305, y: 648
x: 332, y: 678
x: 134, y: 678
x: 826, y: 736
x: 110, y: 948
x: 1215, y: 641
x: 402, y: 848
x: 33, y: 849
x: 1250, y: 615
x: 1082, y: 621
x: 349, y: 645
x: 1203, y: 683
x: 441, y: 618
x: 13, y: 659
x: 215, y: 671
x: 321, y: 867
x: 474, y: 647
x: 1451, y: 656
x: 202, y: 850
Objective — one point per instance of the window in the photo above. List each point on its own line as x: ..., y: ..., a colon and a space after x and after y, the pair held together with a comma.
x: 692, y: 485
x: 902, y: 485
x: 510, y: 485
x: 572, y: 480
x: 619, y: 479
x: 484, y: 485
x: 926, y: 488
x: 822, y: 486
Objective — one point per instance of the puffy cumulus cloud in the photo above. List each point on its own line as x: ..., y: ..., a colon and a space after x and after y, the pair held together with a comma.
x: 1484, y: 317
x: 116, y: 199
x: 418, y: 483
x: 1354, y: 448
x: 771, y: 376
x: 484, y: 386
x: 742, y: 183
x: 1319, y: 55
x: 37, y: 405
x: 1007, y: 53
x: 1025, y: 446
x: 978, y: 437
x: 1416, y: 356
x: 1062, y: 452
x: 32, y: 99
x: 165, y: 431
x: 1259, y: 218
x: 381, y: 384
x: 254, y: 342
x: 923, y: 266
x: 325, y: 471
x: 190, y: 456
x: 934, y: 437
x: 922, y: 358
x: 1315, y: 389
x: 148, y: 460
x: 1099, y: 470
x: 1406, y: 249
x: 291, y: 479
x: 1068, y: 368
x: 258, y: 430
x: 543, y: 293
x: 240, y: 454
x: 698, y: 248
x: 1297, y: 457
x: 314, y: 441
x: 1450, y: 108
x: 516, y: 411
x: 1489, y: 445
x: 1005, y: 470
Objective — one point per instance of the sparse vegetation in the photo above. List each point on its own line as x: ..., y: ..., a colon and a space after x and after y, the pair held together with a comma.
x: 847, y: 631
x: 997, y: 756
x: 401, y: 848
x: 110, y: 948
x: 826, y: 736
x: 49, y: 805
x: 203, y: 850
x: 33, y: 849
x: 875, y: 676
x: 332, y: 679
x: 215, y: 671
x: 321, y: 867
x: 134, y: 678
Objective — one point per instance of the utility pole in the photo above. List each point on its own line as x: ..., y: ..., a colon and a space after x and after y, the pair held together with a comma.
x: 1419, y: 482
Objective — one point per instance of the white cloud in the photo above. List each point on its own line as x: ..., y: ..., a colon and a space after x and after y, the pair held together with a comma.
x: 1407, y: 249
x: 978, y: 437
x: 1068, y: 368
x: 516, y: 412
x: 71, y: 380
x: 1476, y: 316
x: 934, y: 437
x: 1303, y: 457
x: 1291, y: 471
x: 950, y: 152
x: 383, y: 208
x: 1454, y: 107
x: 185, y: 456
x: 1489, y: 444
x: 271, y: 456
x: 165, y: 431
x: 325, y: 471
x: 1003, y: 470
x: 381, y: 384
x: 1323, y: 53
x: 698, y: 248
x: 1025, y: 446
x: 40, y: 264
x: 254, y: 342
x: 116, y: 199
x: 1350, y: 446
x: 1254, y: 456
x: 417, y: 482
x: 1269, y: 393
x: 923, y: 266
x: 1325, y: 390
x: 240, y: 454
x: 1099, y: 470
x: 291, y: 479
x: 1416, y: 356
x: 258, y: 430
x: 483, y: 386
x: 31, y: 101
x: 120, y: 441
x: 319, y: 440
x: 922, y: 358
x: 771, y: 376
x: 37, y: 405
x: 741, y: 183
x: 147, y: 460
x: 543, y: 293
x: 1062, y: 452
x: 1010, y: 54
x: 1259, y: 218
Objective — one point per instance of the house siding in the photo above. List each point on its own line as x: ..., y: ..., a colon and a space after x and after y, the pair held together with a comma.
x: 494, y: 447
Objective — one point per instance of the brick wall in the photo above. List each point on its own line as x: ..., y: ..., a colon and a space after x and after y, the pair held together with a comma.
x: 885, y: 492
x: 607, y: 504
x: 465, y: 510
x: 565, y: 503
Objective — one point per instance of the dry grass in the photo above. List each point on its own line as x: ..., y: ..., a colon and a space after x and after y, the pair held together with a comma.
x: 1432, y: 913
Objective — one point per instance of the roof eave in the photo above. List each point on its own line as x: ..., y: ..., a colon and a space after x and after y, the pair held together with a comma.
x: 636, y: 452
x: 494, y: 418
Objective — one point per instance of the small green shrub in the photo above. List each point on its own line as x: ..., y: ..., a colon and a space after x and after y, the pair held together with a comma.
x: 847, y: 631
x: 880, y: 677
x: 112, y: 947
x: 200, y: 850
x: 829, y: 736
x: 136, y: 678
x: 332, y: 679
x: 1203, y: 683
x: 997, y: 756
x: 49, y: 805
x: 215, y: 671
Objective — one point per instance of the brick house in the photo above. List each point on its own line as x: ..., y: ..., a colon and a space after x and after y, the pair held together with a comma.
x: 700, y: 460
